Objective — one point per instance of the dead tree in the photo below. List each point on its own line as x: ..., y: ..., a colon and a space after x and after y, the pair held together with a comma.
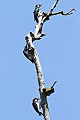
x: 31, y: 53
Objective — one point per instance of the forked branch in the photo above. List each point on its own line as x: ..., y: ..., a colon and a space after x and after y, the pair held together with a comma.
x: 31, y: 53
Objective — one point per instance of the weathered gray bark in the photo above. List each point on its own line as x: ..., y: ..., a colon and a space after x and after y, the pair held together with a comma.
x: 31, y: 54
x: 41, y: 83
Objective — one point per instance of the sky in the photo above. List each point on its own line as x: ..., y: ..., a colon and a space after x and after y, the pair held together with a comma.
x: 59, y: 54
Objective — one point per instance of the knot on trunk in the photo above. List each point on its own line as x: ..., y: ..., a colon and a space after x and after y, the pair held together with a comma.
x: 49, y: 91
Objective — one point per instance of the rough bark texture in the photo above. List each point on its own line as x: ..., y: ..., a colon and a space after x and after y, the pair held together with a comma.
x: 41, y: 83
x: 31, y: 54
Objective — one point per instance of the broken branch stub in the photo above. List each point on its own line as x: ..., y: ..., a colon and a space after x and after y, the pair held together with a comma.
x: 62, y: 12
x: 49, y: 91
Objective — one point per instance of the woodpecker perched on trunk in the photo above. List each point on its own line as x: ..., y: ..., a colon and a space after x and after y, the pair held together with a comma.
x: 36, y: 10
x: 36, y: 106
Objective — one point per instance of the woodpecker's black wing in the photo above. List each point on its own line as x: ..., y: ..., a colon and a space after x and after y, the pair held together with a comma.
x: 36, y: 109
x: 35, y: 16
x: 36, y: 10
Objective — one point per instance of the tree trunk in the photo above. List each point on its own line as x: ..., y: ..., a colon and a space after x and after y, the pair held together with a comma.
x: 31, y: 54
x: 41, y: 83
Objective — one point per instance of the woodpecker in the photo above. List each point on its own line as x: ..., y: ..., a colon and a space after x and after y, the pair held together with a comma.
x: 36, y: 106
x: 36, y: 10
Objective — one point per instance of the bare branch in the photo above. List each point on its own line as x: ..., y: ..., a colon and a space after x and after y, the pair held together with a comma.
x: 54, y: 5
x: 62, y: 12
x: 53, y: 84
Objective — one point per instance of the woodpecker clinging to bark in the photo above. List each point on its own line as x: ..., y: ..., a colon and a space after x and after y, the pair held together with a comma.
x: 36, y: 10
x: 36, y: 106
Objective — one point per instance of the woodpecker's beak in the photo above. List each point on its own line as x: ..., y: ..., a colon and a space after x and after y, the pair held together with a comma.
x: 35, y: 98
x: 40, y: 5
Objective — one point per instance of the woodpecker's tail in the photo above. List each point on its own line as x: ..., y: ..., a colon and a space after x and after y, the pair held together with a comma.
x: 40, y: 113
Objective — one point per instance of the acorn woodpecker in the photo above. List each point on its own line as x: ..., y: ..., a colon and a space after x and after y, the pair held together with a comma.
x: 36, y: 10
x: 36, y: 106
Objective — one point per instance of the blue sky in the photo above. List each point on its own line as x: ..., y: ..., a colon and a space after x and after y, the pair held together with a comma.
x: 59, y: 54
